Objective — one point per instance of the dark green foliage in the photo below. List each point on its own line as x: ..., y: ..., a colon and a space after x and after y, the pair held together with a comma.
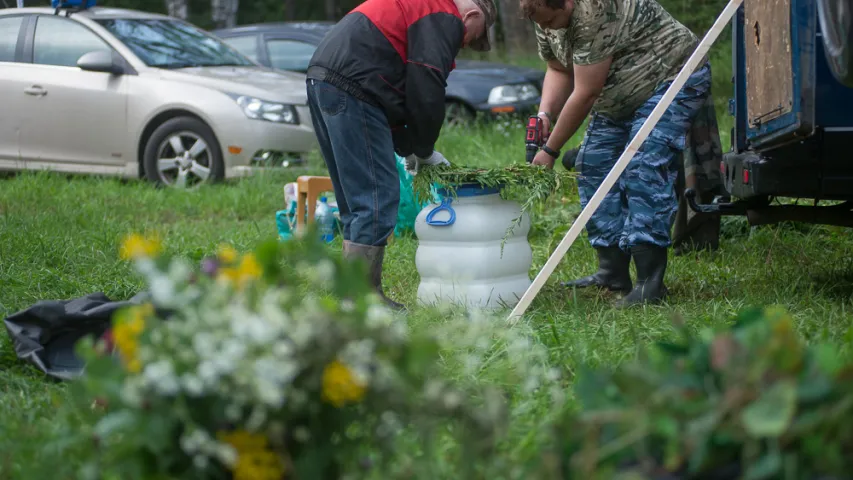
x: 753, y: 398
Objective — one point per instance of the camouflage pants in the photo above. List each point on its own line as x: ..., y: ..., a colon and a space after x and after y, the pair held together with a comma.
x: 641, y: 206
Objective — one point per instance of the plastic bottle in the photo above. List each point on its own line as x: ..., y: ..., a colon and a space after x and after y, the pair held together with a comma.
x: 325, y: 220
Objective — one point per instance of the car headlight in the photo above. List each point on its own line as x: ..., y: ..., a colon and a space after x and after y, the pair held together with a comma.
x: 513, y: 93
x: 259, y: 109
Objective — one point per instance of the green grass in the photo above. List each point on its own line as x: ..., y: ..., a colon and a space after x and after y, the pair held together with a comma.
x: 59, y: 239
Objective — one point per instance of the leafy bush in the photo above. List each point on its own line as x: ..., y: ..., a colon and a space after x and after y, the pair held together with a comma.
x: 752, y: 402
x: 278, y: 363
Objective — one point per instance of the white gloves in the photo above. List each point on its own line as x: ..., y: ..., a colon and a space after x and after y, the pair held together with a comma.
x: 413, y: 162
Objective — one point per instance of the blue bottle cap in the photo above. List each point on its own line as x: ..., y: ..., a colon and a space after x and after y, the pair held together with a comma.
x: 323, y: 199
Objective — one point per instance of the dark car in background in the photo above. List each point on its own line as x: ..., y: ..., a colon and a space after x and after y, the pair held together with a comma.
x: 473, y: 87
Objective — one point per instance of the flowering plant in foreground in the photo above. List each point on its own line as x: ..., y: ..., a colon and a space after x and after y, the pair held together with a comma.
x: 276, y: 363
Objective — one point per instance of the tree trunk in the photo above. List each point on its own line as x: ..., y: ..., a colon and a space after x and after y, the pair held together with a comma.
x: 290, y: 10
x: 224, y: 13
x: 517, y: 30
x: 331, y: 10
x: 178, y: 8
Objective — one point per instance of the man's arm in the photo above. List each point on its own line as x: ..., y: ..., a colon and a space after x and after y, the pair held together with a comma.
x: 558, y: 85
x: 589, y: 82
x: 434, y: 42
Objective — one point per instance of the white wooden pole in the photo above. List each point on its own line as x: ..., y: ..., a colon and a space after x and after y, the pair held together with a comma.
x: 20, y: 3
x: 693, y: 62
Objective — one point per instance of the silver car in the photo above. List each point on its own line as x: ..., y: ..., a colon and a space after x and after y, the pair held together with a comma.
x: 121, y: 92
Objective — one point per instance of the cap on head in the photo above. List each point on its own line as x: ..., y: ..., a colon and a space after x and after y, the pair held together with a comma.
x: 489, y: 10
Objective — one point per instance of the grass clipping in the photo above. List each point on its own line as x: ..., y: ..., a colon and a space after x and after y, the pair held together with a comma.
x: 528, y: 185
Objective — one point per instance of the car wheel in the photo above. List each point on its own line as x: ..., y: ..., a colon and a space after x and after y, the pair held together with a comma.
x: 457, y: 113
x: 183, y: 152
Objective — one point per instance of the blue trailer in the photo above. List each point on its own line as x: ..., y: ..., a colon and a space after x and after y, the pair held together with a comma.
x: 793, y: 110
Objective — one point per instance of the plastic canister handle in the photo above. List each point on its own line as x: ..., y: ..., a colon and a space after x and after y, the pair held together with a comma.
x: 445, y: 206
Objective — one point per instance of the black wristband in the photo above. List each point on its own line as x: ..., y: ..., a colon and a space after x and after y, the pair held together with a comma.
x: 549, y: 151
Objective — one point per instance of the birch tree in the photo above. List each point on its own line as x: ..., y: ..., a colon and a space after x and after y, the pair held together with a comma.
x: 178, y: 8
x: 224, y: 13
x: 517, y: 30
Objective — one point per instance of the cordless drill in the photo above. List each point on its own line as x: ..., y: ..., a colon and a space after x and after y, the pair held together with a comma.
x: 535, y: 136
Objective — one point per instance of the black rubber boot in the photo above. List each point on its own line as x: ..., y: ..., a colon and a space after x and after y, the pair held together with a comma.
x: 374, y: 257
x: 613, y: 271
x: 650, y: 261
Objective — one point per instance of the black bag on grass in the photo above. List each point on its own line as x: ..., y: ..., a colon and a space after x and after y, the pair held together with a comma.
x: 45, y: 333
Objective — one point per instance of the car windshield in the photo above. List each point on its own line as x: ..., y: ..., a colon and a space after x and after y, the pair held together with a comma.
x: 173, y: 44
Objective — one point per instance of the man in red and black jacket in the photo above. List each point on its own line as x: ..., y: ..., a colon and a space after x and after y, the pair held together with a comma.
x: 376, y: 86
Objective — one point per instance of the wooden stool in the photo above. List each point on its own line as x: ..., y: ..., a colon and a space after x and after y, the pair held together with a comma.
x: 308, y: 190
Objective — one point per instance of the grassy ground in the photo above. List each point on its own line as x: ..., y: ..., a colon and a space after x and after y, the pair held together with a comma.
x: 59, y: 238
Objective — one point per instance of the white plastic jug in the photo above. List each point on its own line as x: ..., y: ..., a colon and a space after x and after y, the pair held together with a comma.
x: 459, y: 255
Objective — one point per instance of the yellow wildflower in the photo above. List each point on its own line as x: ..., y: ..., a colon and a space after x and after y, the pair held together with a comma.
x: 226, y: 254
x: 136, y: 246
x: 340, y: 385
x: 126, y: 335
x: 255, y: 460
x: 247, y: 270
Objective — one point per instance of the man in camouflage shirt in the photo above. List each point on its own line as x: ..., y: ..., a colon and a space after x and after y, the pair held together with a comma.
x: 615, y: 59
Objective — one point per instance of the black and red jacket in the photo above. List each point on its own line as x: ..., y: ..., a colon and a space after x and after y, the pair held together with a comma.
x: 396, y: 54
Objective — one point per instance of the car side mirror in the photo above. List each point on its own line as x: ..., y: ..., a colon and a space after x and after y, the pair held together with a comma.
x: 100, y: 61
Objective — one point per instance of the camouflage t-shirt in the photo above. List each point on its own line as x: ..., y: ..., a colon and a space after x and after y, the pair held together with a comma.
x: 647, y: 44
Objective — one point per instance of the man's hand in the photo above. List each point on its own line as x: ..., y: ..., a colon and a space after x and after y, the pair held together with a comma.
x: 413, y: 162
x: 542, y: 158
x: 546, y: 125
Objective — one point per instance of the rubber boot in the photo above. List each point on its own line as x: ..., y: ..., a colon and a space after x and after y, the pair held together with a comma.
x: 613, y: 271
x: 650, y: 261
x: 374, y: 257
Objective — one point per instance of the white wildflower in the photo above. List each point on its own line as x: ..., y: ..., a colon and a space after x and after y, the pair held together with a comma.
x: 132, y: 392
x: 251, y: 327
x: 162, y: 291
x: 256, y: 419
x: 432, y: 390
x: 232, y: 351
x: 269, y: 379
x: 301, y: 434
x: 378, y: 316
x: 531, y: 383
x: 194, y: 441
x: 208, y: 373
x: 347, y: 306
x: 204, y: 343
x: 200, y: 462
x: 226, y: 454
x: 452, y: 400
x: 224, y: 365
x: 302, y: 333
x: 161, y: 376
x: 553, y: 375
x: 233, y: 412
x: 472, y: 364
x: 324, y: 271
x: 520, y: 346
x: 389, y: 424
x: 269, y: 393
x: 180, y: 271
x: 192, y: 385
x: 282, y: 350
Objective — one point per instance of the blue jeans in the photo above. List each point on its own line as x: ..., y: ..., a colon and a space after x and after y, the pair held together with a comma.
x: 355, y: 141
x: 641, y: 206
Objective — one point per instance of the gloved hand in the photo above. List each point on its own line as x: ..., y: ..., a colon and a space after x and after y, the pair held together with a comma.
x: 413, y: 162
